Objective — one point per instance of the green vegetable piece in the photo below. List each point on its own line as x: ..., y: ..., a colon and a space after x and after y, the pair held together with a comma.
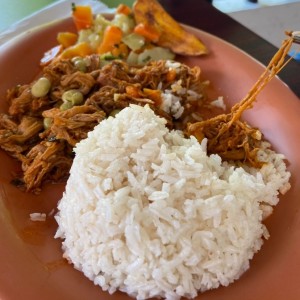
x: 80, y: 65
x: 74, y: 97
x: 66, y: 105
x: 47, y: 122
x: 41, y: 87
x: 114, y: 112
x: 134, y: 41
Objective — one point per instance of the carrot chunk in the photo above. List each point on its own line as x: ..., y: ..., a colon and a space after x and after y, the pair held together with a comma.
x: 149, y: 33
x: 80, y: 49
x: 67, y: 39
x: 123, y: 9
x: 154, y: 95
x: 82, y: 16
x: 171, y: 75
x: 112, y: 36
x: 133, y: 91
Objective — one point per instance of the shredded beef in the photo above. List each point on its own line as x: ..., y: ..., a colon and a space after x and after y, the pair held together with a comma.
x: 46, y: 151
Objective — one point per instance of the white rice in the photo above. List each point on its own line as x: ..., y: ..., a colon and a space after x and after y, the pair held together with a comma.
x: 147, y: 212
x: 219, y: 102
x: 172, y: 98
x: 38, y: 217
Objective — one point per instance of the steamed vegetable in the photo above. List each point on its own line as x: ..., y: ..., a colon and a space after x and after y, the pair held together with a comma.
x: 111, y: 38
x: 67, y: 39
x: 41, y: 87
x: 150, y: 33
x: 82, y: 16
x: 136, y: 35
x: 81, y: 49
x: 123, y: 9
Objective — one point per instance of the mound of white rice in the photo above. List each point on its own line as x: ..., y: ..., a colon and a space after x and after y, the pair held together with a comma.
x: 147, y: 212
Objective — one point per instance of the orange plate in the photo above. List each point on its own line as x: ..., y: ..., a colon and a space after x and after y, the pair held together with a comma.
x: 31, y: 259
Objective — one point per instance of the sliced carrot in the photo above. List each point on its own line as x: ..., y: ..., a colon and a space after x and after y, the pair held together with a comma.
x: 50, y: 55
x: 112, y: 36
x: 123, y: 9
x: 80, y: 49
x: 67, y: 39
x: 154, y: 95
x: 147, y: 32
x: 82, y: 16
x: 133, y: 91
x: 171, y: 75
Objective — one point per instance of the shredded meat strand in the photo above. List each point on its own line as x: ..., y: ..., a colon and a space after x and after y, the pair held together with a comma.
x: 41, y: 160
x: 73, y: 124
x: 230, y: 137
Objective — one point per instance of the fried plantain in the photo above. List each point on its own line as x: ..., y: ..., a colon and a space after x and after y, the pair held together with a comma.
x: 171, y: 34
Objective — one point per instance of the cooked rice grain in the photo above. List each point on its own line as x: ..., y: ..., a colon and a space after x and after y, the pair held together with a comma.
x: 146, y: 211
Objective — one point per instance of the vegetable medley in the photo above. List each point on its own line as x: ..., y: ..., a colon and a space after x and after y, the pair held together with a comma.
x: 118, y: 38
x: 130, y: 35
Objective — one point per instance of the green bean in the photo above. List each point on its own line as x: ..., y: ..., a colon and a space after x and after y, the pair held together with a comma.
x: 114, y: 112
x: 75, y: 58
x: 79, y: 63
x: 87, y: 61
x: 73, y: 96
x: 47, y: 122
x: 41, y: 87
x: 66, y: 105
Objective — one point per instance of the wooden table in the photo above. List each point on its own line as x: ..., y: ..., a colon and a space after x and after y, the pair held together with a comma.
x: 201, y: 14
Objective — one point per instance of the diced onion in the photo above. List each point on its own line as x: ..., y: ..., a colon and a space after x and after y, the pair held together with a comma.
x: 134, y: 41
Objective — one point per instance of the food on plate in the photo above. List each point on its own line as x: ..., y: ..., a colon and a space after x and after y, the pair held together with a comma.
x: 128, y: 35
x: 228, y: 135
x: 76, y: 90
x: 160, y: 201
x: 149, y: 212
x: 47, y: 117
x: 38, y: 217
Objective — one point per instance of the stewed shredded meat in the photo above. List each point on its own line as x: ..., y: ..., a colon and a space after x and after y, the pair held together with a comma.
x: 72, y: 125
x: 43, y: 125
x: 41, y: 131
x: 229, y: 136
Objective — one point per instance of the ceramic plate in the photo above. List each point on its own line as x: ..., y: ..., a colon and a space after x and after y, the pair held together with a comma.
x: 31, y: 259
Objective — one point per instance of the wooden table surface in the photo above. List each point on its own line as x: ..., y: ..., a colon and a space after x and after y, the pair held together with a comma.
x: 201, y: 14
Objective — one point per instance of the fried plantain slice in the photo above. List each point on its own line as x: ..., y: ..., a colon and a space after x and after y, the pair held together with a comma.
x: 171, y: 34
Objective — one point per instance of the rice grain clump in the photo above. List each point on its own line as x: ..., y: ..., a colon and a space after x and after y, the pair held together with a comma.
x: 147, y: 212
